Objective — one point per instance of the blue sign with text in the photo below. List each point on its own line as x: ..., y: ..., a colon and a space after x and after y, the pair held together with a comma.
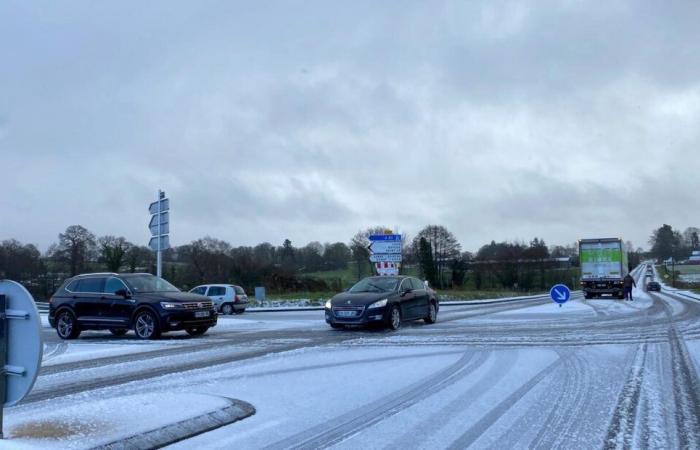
x: 385, y: 237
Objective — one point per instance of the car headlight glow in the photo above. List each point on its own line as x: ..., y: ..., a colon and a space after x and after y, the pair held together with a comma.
x: 169, y: 305
x: 379, y: 304
x: 328, y: 304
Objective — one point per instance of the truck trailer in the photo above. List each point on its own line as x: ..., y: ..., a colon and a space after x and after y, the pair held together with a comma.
x: 603, y: 266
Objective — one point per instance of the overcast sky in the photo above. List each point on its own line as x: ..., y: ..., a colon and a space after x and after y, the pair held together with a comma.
x: 310, y: 120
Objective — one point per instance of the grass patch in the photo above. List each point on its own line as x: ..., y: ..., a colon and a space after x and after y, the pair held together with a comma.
x: 56, y: 429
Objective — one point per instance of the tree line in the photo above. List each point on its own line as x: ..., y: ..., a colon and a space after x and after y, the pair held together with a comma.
x: 434, y: 254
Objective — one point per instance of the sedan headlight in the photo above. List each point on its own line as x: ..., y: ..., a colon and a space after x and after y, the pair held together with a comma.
x: 170, y: 305
x: 379, y: 304
x: 328, y: 304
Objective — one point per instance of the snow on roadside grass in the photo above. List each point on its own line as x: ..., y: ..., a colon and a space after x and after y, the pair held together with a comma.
x: 91, y: 423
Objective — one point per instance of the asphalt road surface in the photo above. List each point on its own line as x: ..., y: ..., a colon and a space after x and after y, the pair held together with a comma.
x: 524, y: 374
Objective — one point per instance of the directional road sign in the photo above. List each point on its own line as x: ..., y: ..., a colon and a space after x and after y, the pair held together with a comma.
x: 164, y: 224
x: 385, y: 247
x: 560, y: 293
x: 164, y: 206
x: 385, y: 237
x: 21, y: 336
x: 164, y: 243
x: 385, y: 257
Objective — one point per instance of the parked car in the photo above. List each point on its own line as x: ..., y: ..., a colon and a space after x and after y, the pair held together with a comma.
x: 386, y: 301
x: 654, y: 286
x: 227, y: 298
x: 118, y: 302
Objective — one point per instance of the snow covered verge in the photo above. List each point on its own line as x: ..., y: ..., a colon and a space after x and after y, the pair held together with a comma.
x: 135, y: 421
x: 667, y: 288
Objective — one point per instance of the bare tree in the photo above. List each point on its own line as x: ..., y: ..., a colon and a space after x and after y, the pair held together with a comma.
x: 76, y: 247
x: 113, y: 252
x: 444, y: 245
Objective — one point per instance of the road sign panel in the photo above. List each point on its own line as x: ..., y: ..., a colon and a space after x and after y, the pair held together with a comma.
x: 385, y: 247
x: 385, y: 257
x: 164, y: 206
x: 23, y: 338
x: 560, y: 293
x: 164, y: 243
x: 164, y: 224
x: 164, y: 229
x: 385, y: 237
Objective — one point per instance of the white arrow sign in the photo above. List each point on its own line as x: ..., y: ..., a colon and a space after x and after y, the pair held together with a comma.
x: 385, y: 247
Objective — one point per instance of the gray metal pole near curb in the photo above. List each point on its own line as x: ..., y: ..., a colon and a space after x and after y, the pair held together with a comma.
x: 3, y: 358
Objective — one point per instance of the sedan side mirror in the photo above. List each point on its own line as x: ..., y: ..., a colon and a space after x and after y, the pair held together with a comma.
x: 123, y: 293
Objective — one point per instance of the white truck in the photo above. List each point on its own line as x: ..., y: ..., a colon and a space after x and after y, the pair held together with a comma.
x: 603, y: 266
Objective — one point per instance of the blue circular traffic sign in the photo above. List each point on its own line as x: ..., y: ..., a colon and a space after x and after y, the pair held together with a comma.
x: 560, y: 293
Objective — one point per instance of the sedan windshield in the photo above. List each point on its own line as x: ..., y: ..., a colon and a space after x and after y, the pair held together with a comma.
x: 150, y: 283
x: 375, y: 284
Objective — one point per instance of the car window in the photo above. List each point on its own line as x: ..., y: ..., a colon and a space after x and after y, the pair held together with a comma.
x: 216, y: 291
x: 417, y: 284
x: 112, y: 285
x: 199, y: 290
x: 90, y: 285
x: 375, y: 284
x: 406, y: 285
x: 73, y: 286
x: 239, y: 290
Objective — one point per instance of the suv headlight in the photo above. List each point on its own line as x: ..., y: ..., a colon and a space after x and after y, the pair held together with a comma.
x: 379, y: 304
x: 328, y: 304
x: 169, y: 305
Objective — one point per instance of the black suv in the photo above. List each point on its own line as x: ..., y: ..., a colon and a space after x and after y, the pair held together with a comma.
x: 118, y: 302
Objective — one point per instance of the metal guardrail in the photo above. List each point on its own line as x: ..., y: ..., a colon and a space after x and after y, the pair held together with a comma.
x: 42, y: 306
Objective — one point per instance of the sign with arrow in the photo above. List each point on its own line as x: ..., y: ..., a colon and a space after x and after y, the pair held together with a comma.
x: 560, y: 293
x: 163, y: 220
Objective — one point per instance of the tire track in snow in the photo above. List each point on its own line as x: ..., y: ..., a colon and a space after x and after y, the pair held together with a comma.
x: 353, y: 422
x: 480, y: 427
x: 621, y: 429
x: 440, y: 419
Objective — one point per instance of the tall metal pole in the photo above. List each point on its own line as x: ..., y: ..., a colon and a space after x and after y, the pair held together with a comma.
x: 3, y: 359
x: 159, y: 261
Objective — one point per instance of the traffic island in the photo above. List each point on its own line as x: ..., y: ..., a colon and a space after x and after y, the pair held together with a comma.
x: 130, y: 422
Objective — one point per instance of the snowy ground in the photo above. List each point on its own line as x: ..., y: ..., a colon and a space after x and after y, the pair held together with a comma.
x: 591, y: 374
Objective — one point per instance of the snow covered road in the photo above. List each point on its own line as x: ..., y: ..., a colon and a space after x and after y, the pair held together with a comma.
x: 527, y: 374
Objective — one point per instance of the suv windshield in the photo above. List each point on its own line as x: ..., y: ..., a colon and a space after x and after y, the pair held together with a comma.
x: 150, y: 283
x: 375, y: 284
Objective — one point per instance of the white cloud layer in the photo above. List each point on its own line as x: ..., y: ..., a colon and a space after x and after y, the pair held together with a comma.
x: 311, y: 120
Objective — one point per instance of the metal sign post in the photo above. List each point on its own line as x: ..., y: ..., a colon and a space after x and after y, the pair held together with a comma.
x: 21, y: 346
x: 160, y: 228
x: 3, y: 358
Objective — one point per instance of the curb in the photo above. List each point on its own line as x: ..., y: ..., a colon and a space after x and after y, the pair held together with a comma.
x: 185, y: 429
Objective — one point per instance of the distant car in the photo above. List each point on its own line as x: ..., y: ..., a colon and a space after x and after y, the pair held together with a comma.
x: 386, y: 301
x: 654, y: 286
x: 119, y: 302
x: 227, y: 298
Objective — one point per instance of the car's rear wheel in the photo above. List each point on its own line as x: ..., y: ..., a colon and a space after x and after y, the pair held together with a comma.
x: 66, y: 325
x: 395, y: 318
x: 227, y: 309
x: 197, y: 331
x: 432, y: 314
x: 119, y: 331
x: 146, y: 325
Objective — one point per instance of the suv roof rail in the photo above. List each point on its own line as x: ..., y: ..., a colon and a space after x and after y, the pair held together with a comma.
x: 96, y: 273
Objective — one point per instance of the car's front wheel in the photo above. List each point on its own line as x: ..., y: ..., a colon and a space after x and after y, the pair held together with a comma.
x: 197, y: 331
x: 146, y: 325
x: 395, y: 318
x: 66, y: 325
x: 227, y: 309
x: 118, y: 331
x: 432, y: 314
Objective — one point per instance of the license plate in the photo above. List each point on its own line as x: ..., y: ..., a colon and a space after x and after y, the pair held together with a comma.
x: 346, y: 313
x: 200, y: 314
